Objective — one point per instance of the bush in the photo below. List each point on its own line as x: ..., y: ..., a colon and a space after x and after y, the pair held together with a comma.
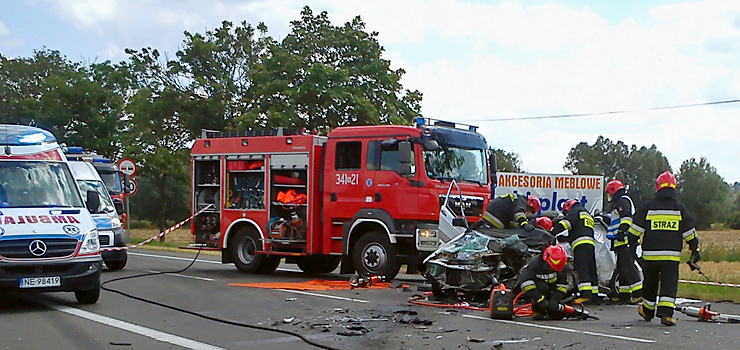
x: 135, y: 224
x: 733, y: 221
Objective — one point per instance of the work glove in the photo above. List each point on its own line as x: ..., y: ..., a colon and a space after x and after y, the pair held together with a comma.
x: 543, y: 305
x: 695, y: 256
x: 528, y: 227
x: 621, y: 235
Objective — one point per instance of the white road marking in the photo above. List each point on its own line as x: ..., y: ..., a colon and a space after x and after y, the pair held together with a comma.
x: 181, y: 275
x: 639, y: 340
x: 323, y: 295
x: 134, y: 328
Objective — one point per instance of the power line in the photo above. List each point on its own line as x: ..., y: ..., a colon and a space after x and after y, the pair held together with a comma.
x: 607, y: 113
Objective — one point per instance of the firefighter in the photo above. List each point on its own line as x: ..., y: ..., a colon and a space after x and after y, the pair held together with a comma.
x: 580, y: 226
x: 544, y: 223
x: 544, y: 281
x: 663, y: 225
x: 504, y: 209
x: 630, y: 285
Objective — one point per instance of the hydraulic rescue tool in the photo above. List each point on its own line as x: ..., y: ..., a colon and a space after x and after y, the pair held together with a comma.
x: 704, y: 314
x: 502, y: 306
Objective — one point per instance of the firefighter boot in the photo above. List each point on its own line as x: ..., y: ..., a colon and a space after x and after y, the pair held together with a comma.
x: 538, y: 316
x: 647, y: 316
x: 667, y: 321
x: 635, y: 300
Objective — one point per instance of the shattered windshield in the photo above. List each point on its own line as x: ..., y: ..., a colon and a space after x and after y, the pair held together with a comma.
x: 37, y: 184
x: 449, y: 162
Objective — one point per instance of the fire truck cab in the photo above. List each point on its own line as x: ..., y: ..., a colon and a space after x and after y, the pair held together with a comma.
x: 368, y: 196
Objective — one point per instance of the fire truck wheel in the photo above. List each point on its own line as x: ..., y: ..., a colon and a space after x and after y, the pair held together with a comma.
x: 375, y: 255
x: 242, y: 247
x: 269, y: 265
x: 318, y: 264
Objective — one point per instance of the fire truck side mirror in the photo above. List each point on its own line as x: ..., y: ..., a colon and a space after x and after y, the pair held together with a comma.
x: 492, y: 166
x: 404, y: 157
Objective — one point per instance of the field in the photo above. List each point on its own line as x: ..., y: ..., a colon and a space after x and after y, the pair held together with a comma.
x: 720, y: 260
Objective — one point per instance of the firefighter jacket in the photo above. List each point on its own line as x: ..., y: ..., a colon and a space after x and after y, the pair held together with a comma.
x: 580, y: 226
x: 664, y: 225
x: 539, y: 270
x: 622, y: 210
x: 506, y: 208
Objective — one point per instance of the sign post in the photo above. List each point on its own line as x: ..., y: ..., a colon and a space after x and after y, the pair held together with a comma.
x: 128, y: 168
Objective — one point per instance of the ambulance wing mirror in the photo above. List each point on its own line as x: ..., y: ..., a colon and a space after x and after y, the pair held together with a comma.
x: 93, y: 201
x: 404, y: 157
x: 119, y: 206
x: 492, y: 166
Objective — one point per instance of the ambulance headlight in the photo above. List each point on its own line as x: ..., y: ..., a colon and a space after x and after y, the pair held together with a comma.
x: 427, y: 233
x: 91, y: 244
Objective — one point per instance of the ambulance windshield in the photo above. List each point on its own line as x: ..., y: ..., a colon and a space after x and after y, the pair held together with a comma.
x: 25, y: 184
x: 449, y: 162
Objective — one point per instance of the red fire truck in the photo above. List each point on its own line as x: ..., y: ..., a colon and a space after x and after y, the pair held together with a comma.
x: 368, y: 196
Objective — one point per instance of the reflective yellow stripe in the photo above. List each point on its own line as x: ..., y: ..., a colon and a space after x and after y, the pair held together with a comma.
x: 528, y: 288
x: 663, y: 217
x: 625, y: 220
x: 648, y: 306
x: 551, y: 280
x: 588, y: 287
x: 636, y: 230
x: 562, y: 289
x: 540, y: 299
x: 636, y: 288
x: 661, y: 258
x: 565, y: 224
x: 585, y: 241
x: 689, y: 237
x: 620, y: 243
x: 667, y: 304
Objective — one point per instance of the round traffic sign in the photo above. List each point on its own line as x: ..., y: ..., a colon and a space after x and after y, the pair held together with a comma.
x: 127, y: 167
x: 132, y: 187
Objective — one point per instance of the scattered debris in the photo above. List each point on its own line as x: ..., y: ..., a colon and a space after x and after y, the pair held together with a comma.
x: 119, y: 344
x: 291, y: 299
x: 515, y: 341
x: 475, y: 340
x: 407, y: 312
x: 498, y: 346
x: 569, y: 345
x: 350, y: 333
x: 339, y: 310
x: 288, y: 319
x: 276, y: 323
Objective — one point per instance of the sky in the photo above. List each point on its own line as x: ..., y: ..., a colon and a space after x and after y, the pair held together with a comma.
x: 478, y: 61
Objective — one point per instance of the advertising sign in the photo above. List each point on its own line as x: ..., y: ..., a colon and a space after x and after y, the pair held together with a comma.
x: 554, y: 189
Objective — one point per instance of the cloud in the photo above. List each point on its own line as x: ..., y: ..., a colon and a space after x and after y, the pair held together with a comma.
x: 4, y: 29
x: 13, y: 42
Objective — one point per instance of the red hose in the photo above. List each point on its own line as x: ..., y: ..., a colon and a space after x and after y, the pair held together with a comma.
x: 521, y: 311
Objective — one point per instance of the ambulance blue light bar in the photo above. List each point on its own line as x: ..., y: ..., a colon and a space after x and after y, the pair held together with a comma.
x: 21, y: 135
x: 74, y: 150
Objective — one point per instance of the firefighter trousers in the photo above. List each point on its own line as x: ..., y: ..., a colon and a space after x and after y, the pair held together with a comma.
x: 663, y: 275
x: 584, y: 262
x: 630, y: 285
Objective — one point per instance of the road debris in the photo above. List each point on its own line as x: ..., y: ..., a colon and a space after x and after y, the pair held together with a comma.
x: 475, y: 340
x: 291, y: 299
x: 288, y: 320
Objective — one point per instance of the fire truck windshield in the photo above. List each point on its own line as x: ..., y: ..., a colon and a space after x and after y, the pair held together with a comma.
x: 37, y: 184
x: 454, y: 163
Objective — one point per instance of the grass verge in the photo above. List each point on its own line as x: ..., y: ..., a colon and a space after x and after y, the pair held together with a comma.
x: 709, y: 293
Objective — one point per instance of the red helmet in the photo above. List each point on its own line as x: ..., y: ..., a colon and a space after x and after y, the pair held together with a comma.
x: 534, y: 203
x: 543, y: 222
x: 555, y: 256
x: 666, y: 179
x: 613, y: 186
x: 568, y: 205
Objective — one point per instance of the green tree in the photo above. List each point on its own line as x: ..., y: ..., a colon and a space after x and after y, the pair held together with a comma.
x: 322, y: 76
x: 635, y: 167
x: 81, y: 104
x: 507, y: 161
x: 704, y: 193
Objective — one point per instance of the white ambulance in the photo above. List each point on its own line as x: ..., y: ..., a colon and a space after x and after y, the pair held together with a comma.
x: 48, y: 240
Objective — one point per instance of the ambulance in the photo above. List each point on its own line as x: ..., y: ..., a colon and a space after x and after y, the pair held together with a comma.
x: 48, y: 239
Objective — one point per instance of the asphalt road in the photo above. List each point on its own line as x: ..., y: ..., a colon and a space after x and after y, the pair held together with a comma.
x: 55, y: 321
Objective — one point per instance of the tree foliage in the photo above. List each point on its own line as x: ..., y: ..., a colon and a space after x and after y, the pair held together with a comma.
x: 152, y: 106
x: 704, y: 193
x: 507, y: 161
x: 635, y: 167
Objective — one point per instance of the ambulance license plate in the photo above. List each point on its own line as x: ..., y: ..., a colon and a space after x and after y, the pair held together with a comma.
x: 40, y: 282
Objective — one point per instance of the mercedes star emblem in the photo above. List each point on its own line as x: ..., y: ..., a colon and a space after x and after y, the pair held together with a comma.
x: 37, y: 247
